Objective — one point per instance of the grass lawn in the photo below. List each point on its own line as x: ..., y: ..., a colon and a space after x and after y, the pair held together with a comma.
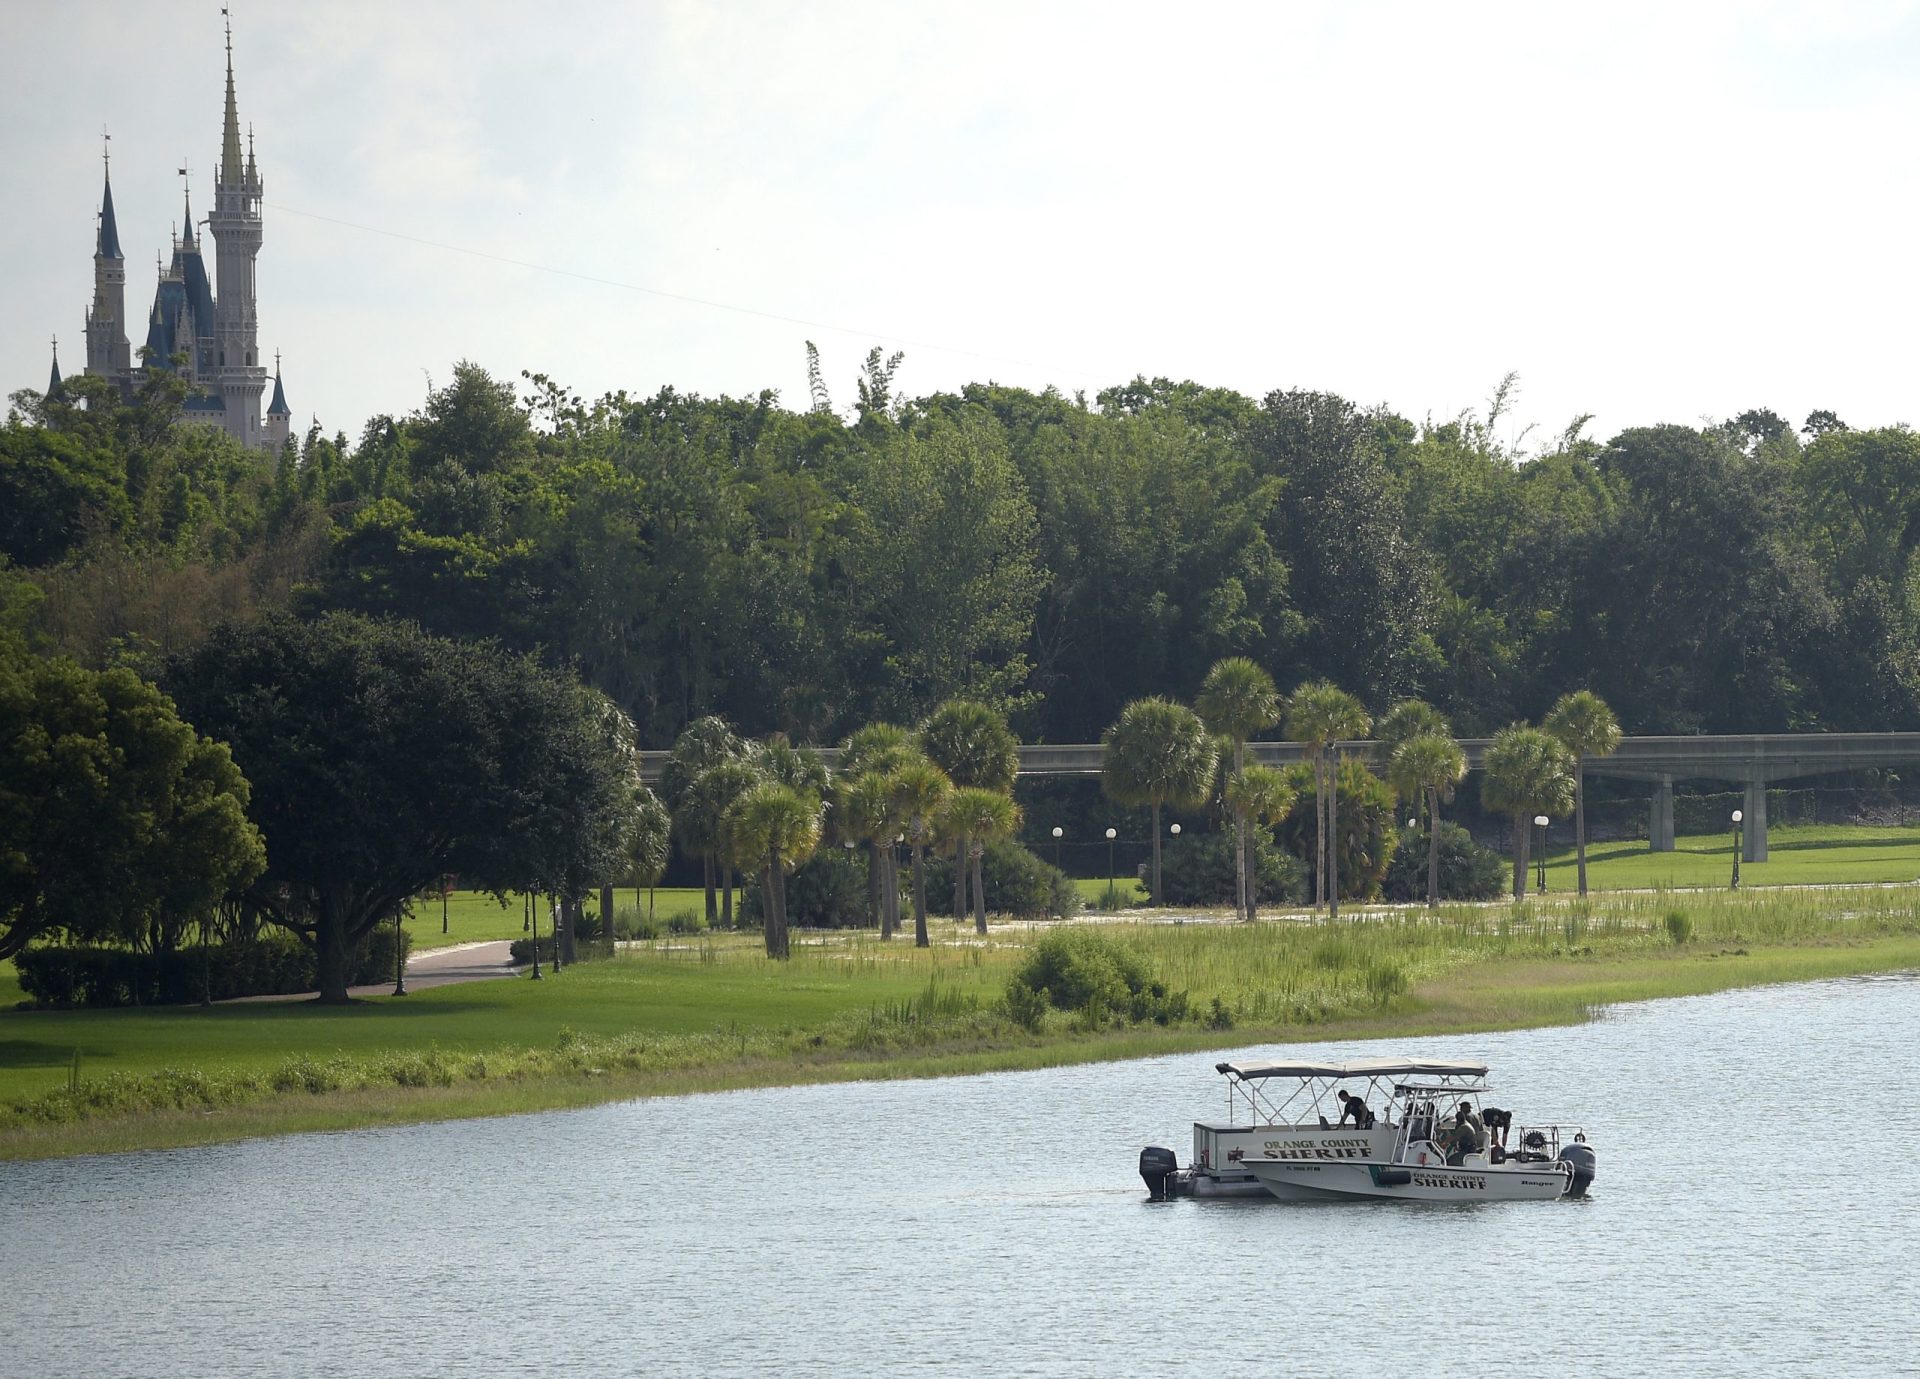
x: 1812, y: 854
x: 475, y: 917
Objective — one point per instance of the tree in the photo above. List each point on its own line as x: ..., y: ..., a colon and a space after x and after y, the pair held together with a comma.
x: 917, y: 792
x: 703, y: 744
x: 382, y: 759
x: 1423, y: 767
x: 866, y: 758
x: 1157, y: 753
x: 1586, y: 727
x: 1319, y: 715
x: 780, y: 826
x: 1410, y: 718
x: 1266, y: 796
x: 980, y: 816
x: 1237, y: 700
x: 973, y: 745
x: 1528, y: 772
x: 116, y: 818
x: 651, y: 846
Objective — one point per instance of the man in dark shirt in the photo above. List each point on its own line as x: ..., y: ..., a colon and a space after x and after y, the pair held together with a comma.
x: 1355, y: 1109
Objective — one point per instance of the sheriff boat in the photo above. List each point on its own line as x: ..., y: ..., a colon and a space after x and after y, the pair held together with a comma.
x: 1288, y: 1134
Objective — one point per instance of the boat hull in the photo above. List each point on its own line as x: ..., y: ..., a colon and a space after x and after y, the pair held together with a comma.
x: 1293, y: 1180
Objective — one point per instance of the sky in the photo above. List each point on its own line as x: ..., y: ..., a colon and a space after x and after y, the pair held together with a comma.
x: 1651, y: 212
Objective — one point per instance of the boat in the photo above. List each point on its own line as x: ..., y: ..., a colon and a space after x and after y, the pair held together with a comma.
x: 1371, y: 1128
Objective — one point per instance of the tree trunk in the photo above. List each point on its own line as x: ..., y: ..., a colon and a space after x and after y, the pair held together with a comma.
x: 1239, y: 844
x: 889, y: 894
x: 960, y: 856
x: 606, y: 918
x: 1333, y: 837
x: 1159, y: 896
x: 769, y: 920
x: 920, y: 939
x: 1319, y: 829
x: 780, y: 908
x: 874, y: 916
x: 979, y: 891
x: 1520, y: 827
x: 1433, y: 849
x: 726, y: 896
x: 569, y: 910
x: 706, y: 881
x: 1580, y: 818
x: 331, y: 955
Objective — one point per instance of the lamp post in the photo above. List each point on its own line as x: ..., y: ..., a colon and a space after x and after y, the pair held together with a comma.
x: 443, y: 903
x: 399, y: 957
x: 1057, y: 832
x: 1540, y: 822
x: 533, y: 925
x: 1111, y: 835
x: 1174, y: 829
x: 1737, y: 817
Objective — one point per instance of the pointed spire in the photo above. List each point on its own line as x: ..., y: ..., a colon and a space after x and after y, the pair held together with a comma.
x: 278, y: 407
x: 55, y: 388
x: 253, y: 172
x: 108, y: 243
x: 186, y: 235
x: 231, y: 170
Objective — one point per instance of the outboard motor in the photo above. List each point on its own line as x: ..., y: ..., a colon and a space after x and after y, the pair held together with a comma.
x: 1578, y: 1156
x: 1157, y: 1165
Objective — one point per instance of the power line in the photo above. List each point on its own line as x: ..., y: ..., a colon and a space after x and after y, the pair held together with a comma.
x: 665, y: 295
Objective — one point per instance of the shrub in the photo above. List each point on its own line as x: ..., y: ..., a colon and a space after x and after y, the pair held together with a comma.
x: 1017, y: 883
x: 1198, y: 870
x: 1467, y: 870
x: 1679, y: 927
x: 275, y: 964
x: 1365, y: 838
x: 1025, y: 1006
x: 827, y: 891
x: 1087, y: 972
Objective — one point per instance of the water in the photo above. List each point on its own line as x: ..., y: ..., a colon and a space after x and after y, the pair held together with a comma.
x: 1752, y: 1216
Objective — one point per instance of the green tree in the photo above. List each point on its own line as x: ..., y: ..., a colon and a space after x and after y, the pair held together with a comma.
x: 1157, y: 753
x: 702, y: 744
x: 780, y: 826
x: 1319, y: 715
x: 1424, y: 767
x: 382, y: 759
x: 651, y: 846
x: 116, y: 818
x: 1265, y: 796
x: 917, y: 791
x: 980, y: 816
x: 1237, y: 700
x: 1586, y: 727
x: 1528, y: 772
x: 973, y: 745
x: 866, y: 757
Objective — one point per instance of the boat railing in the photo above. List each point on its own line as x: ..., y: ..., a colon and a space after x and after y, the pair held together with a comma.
x: 1553, y: 1137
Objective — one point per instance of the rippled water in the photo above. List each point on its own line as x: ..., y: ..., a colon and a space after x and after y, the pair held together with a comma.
x: 1753, y: 1216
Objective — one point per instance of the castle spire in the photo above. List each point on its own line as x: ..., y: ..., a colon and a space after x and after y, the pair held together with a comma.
x: 108, y: 245
x: 186, y: 233
x: 278, y: 407
x: 232, y: 170
x: 55, y: 388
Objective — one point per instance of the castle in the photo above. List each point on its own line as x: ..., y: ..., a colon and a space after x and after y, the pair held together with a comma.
x: 211, y: 337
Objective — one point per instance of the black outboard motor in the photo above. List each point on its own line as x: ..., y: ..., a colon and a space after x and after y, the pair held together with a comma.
x: 1157, y: 1165
x: 1579, y: 1157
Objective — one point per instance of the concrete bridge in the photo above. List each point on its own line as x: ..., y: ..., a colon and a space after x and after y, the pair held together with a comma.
x: 1754, y: 761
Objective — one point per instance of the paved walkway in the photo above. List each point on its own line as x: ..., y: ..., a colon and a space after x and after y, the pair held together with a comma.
x: 463, y: 962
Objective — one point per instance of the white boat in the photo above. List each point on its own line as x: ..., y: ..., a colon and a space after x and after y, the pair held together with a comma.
x: 1290, y: 1134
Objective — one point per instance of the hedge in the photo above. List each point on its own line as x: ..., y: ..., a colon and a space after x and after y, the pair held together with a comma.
x: 273, y: 965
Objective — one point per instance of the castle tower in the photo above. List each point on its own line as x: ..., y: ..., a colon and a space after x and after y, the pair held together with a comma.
x: 279, y: 418
x: 57, y: 391
x: 108, y: 353
x: 237, y: 377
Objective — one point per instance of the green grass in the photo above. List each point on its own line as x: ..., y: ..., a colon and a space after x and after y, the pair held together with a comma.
x: 1127, y: 891
x: 1810, y: 854
x: 711, y: 1012
x: 474, y: 917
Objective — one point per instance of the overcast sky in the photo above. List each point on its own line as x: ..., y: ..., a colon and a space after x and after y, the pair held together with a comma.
x: 1656, y: 212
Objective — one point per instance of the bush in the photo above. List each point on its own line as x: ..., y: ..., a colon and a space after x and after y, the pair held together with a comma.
x: 275, y: 964
x: 1085, y: 971
x: 1017, y: 883
x: 1679, y: 927
x: 827, y: 891
x: 1198, y: 870
x: 1467, y: 870
x: 1365, y: 838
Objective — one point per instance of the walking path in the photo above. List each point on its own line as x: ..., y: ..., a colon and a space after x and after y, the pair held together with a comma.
x: 463, y: 962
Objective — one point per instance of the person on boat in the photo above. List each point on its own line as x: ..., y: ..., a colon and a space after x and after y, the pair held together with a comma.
x: 1498, y: 1123
x: 1352, y: 1108
x: 1467, y: 1135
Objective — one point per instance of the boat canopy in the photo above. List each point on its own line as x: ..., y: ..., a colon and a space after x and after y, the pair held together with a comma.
x: 1362, y: 1067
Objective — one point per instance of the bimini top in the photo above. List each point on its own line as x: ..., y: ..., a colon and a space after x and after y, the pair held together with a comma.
x: 1363, y: 1067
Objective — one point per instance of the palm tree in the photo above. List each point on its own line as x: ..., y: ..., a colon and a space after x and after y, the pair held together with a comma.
x: 862, y: 814
x: 794, y: 767
x: 702, y: 745
x: 1319, y: 715
x: 1528, y: 772
x: 1421, y: 767
x: 917, y: 791
x: 873, y: 751
x: 1586, y: 727
x: 1410, y: 718
x: 1237, y: 700
x: 1264, y: 795
x: 1157, y: 753
x: 981, y: 817
x: 974, y: 746
x: 700, y: 816
x: 780, y: 827
x: 650, y: 846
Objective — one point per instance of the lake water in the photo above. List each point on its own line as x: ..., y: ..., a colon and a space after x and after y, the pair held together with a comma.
x: 1754, y: 1214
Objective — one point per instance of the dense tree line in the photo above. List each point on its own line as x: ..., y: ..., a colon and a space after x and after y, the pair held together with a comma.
x: 1054, y: 558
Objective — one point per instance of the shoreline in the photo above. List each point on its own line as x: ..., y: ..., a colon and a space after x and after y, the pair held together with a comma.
x: 1484, y: 995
